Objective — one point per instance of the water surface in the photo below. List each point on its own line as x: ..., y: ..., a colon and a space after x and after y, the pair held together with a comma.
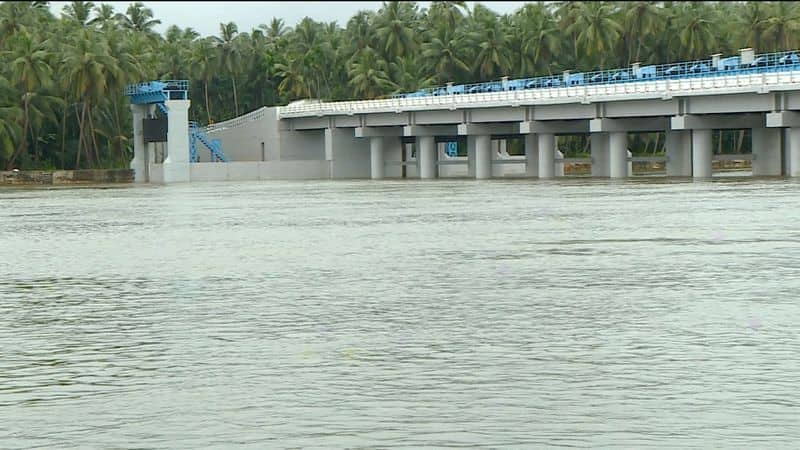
x: 360, y: 314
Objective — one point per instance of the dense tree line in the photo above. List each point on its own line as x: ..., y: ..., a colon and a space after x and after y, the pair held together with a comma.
x: 62, y: 78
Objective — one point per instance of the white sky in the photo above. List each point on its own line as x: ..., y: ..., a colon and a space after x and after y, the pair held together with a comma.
x: 205, y: 17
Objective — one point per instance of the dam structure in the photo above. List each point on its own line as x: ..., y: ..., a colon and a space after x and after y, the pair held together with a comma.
x: 464, y: 130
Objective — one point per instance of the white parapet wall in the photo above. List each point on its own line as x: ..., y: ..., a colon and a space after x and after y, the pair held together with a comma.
x: 250, y: 171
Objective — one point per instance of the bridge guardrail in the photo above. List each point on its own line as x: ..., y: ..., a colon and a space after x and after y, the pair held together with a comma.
x: 587, y: 93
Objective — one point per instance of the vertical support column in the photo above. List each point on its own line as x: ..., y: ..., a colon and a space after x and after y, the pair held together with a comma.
x: 531, y: 155
x: 176, y: 166
x: 393, y: 152
x: 630, y: 163
x: 600, y: 157
x: 559, y: 164
x: 767, y: 152
x: 678, y: 145
x: 547, y: 150
x: 701, y: 154
x: 139, y: 161
x: 483, y: 157
x: 376, y: 157
x: 618, y: 154
x: 426, y: 156
x: 794, y: 152
x: 471, y: 152
x: 498, y: 149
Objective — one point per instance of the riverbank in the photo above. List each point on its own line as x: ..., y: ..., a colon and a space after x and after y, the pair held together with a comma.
x: 66, y: 177
x: 651, y: 168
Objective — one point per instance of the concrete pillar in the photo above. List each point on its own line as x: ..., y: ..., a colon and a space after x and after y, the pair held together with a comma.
x: 140, y: 159
x: 701, y: 154
x: 630, y: 163
x: 498, y: 148
x: 767, y: 152
x: 679, y: 153
x: 176, y: 166
x: 787, y: 151
x: 547, y: 150
x: 794, y: 152
x: 618, y: 154
x: 471, y: 143
x: 426, y: 156
x: 531, y: 155
x: 376, y: 157
x: 600, y: 154
x: 559, y: 165
x: 483, y: 157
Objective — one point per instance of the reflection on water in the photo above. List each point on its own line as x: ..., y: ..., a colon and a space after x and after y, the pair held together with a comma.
x: 401, y: 313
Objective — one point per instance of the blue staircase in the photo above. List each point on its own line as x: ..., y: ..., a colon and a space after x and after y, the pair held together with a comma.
x: 196, y: 133
x: 215, y: 145
x: 158, y: 92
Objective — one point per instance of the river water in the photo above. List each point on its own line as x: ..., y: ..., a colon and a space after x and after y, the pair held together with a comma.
x: 360, y: 314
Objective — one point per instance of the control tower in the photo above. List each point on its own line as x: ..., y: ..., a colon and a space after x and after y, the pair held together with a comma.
x: 161, y: 114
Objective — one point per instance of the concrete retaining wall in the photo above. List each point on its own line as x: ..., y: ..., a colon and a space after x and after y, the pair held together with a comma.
x: 65, y: 177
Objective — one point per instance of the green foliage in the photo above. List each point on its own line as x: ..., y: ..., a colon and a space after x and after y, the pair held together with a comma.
x: 62, y: 78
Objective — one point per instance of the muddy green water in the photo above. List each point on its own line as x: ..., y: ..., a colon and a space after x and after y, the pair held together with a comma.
x: 358, y: 314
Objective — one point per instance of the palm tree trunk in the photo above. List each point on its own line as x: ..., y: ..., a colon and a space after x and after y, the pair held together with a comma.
x: 80, y: 138
x: 64, y: 132
x: 235, y: 97
x: 208, y: 108
x: 740, y: 142
x: 24, y: 140
x: 655, y: 146
x: 93, y: 135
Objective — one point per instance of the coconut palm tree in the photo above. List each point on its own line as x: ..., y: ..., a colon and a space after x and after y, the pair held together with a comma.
x: 88, y: 66
x: 105, y: 18
x: 540, y: 43
x: 597, y: 31
x: 695, y: 30
x: 441, y: 53
x: 493, y: 59
x: 368, y: 75
x: 229, y: 55
x: 639, y: 19
x: 752, y: 24
x: 30, y: 68
x: 782, y: 26
x: 394, y: 28
x: 203, y: 60
x: 79, y: 12
x: 138, y: 18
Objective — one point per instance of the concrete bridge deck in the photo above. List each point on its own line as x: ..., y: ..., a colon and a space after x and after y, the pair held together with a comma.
x: 406, y: 136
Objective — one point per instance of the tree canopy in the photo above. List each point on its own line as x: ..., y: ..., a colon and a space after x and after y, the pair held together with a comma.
x: 62, y: 77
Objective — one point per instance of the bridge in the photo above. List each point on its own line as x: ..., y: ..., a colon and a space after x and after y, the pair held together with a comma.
x: 414, y: 134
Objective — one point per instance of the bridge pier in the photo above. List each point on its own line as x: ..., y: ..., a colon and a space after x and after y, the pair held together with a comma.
x: 176, y: 166
x: 376, y: 157
x: 140, y: 157
x: 618, y: 154
x: 483, y: 157
x: 794, y: 152
x: 766, y: 152
x: 531, y: 155
x: 790, y: 122
x: 701, y: 154
x: 547, y: 150
x: 679, y: 153
x: 426, y: 157
x: 599, y: 148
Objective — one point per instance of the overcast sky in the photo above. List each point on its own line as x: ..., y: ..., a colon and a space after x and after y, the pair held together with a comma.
x: 205, y: 17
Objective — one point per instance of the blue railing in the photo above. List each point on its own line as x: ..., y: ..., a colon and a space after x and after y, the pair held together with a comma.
x: 196, y: 133
x: 157, y: 91
x: 765, y: 62
x: 149, y: 87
